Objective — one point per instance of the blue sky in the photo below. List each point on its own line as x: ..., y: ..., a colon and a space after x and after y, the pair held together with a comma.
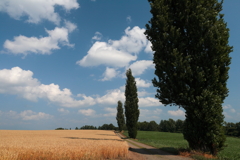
x: 63, y: 63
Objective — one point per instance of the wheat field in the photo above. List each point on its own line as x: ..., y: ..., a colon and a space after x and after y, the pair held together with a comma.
x: 61, y: 145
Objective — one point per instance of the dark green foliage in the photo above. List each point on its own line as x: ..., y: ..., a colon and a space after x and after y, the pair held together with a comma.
x: 179, y: 126
x: 143, y: 126
x: 131, y: 104
x: 148, y: 126
x: 60, y: 128
x: 120, y: 116
x: 107, y: 127
x: 238, y: 129
x: 153, y: 126
x: 88, y: 127
x: 171, y: 125
x: 191, y: 56
x: 232, y: 129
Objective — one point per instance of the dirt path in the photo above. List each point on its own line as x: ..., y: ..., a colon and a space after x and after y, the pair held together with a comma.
x: 140, y: 151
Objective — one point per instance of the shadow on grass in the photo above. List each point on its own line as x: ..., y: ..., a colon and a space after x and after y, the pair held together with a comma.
x: 150, y: 151
x: 170, y: 150
x: 94, y: 138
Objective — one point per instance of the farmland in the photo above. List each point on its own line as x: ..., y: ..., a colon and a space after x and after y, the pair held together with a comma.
x: 61, y: 144
x: 171, y: 142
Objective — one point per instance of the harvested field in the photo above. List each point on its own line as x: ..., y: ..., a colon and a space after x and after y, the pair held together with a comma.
x: 61, y: 144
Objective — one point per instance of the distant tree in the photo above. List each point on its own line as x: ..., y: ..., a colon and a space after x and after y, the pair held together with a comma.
x: 107, y: 127
x: 167, y: 125
x: 88, y: 127
x: 191, y: 56
x: 161, y: 126
x: 131, y: 105
x: 60, y: 128
x: 179, y: 126
x: 143, y: 126
x: 231, y: 129
x: 171, y: 125
x: 120, y: 116
x: 76, y: 128
x: 152, y: 126
x: 238, y: 129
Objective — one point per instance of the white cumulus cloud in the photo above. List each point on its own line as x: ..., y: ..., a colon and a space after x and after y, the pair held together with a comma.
x: 30, y: 115
x: 111, y: 112
x: 44, y: 45
x: 20, y: 82
x: 111, y: 97
x: 62, y: 110
x: 26, y: 115
x: 87, y: 112
x: 139, y: 67
x: 116, y: 53
x: 101, y: 53
x: 109, y: 74
x: 36, y: 10
x: 70, y: 26
x: 149, y: 102
x: 142, y: 83
x: 178, y: 113
x: 97, y: 36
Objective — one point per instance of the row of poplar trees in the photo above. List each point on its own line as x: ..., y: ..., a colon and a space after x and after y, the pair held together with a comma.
x: 131, y: 107
x: 191, y: 56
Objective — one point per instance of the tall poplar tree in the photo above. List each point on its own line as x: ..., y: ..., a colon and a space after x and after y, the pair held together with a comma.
x: 120, y: 116
x: 191, y: 56
x: 131, y: 105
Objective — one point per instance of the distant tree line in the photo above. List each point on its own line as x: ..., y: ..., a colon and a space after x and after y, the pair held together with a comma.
x: 164, y: 126
x: 170, y: 125
x: 232, y: 129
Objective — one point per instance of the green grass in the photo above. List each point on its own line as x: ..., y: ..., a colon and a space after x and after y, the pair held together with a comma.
x: 171, y: 142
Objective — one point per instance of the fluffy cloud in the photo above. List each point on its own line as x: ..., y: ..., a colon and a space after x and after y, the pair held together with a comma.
x: 26, y: 115
x: 116, y: 53
x: 229, y: 109
x: 177, y: 113
x: 139, y: 67
x: 36, y: 10
x: 44, y: 45
x: 64, y: 111
x: 111, y: 97
x: 101, y: 53
x: 230, y: 113
x: 109, y: 74
x: 87, y: 112
x: 30, y: 115
x: 97, y: 36
x: 111, y: 112
x: 149, y: 102
x: 20, y: 82
x: 149, y: 115
x: 142, y: 83
x: 70, y: 26
x: 133, y: 41
x: 148, y: 49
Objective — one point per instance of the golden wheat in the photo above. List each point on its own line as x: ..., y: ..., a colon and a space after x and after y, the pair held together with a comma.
x: 61, y: 145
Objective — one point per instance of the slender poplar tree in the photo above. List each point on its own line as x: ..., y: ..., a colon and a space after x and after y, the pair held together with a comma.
x: 120, y: 116
x: 191, y: 56
x: 131, y: 105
